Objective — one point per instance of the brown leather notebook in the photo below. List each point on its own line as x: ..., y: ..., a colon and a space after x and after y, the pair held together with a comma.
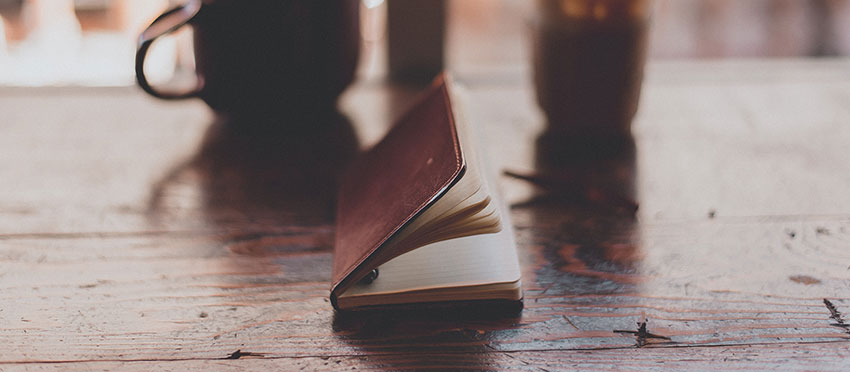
x: 417, y: 219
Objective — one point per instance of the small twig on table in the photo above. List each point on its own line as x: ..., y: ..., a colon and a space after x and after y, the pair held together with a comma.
x: 836, y: 315
x: 240, y: 354
x: 641, y: 335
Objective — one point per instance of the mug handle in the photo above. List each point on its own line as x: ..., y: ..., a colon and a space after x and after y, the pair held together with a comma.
x: 166, y: 23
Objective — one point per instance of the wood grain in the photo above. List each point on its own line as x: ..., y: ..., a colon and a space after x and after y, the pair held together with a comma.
x: 148, y: 236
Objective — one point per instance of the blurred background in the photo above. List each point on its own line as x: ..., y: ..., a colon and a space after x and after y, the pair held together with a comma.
x: 92, y: 42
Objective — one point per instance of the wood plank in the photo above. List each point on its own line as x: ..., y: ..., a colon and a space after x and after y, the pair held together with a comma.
x: 141, y: 235
x: 150, y: 296
x: 748, y: 357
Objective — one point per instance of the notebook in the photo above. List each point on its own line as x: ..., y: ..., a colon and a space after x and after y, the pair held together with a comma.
x: 419, y: 220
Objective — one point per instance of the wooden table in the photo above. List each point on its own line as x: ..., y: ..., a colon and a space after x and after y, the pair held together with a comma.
x: 142, y: 235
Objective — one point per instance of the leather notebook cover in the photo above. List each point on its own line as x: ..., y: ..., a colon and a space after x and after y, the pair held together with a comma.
x: 418, y: 160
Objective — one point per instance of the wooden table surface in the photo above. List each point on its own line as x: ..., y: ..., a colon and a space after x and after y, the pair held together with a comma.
x: 147, y: 236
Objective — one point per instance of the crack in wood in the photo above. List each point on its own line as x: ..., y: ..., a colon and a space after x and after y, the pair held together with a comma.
x: 570, y: 322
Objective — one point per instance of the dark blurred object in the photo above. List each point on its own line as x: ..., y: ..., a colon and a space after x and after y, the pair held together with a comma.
x: 11, y: 5
x: 588, y: 64
x: 416, y: 32
x: 826, y: 20
x: 264, y: 56
x: 10, y: 12
x: 100, y: 14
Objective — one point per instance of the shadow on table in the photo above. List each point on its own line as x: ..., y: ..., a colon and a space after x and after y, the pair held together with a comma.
x: 266, y: 191
x: 597, y: 173
x: 582, y: 216
x: 421, y: 331
x: 250, y: 170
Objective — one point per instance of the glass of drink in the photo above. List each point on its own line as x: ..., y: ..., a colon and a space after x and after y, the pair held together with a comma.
x: 589, y: 57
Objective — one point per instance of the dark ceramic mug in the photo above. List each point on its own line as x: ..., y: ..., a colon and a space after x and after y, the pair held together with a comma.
x: 263, y: 56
